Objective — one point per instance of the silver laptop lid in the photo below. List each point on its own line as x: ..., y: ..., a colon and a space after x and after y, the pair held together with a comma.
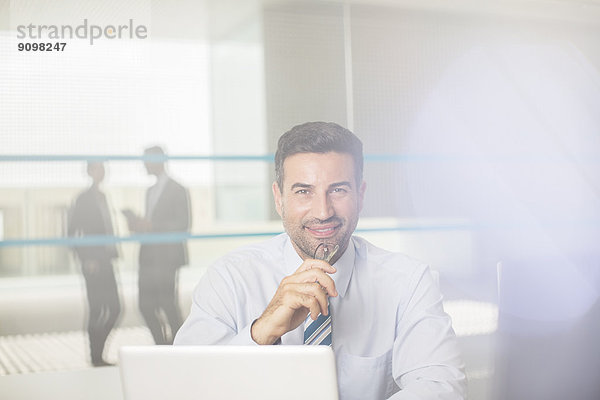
x: 228, y: 372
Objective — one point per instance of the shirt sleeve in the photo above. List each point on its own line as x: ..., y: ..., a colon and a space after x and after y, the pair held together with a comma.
x: 426, y: 362
x: 212, y: 317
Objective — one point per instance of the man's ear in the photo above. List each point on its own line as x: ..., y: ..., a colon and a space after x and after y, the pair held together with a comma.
x: 277, y: 198
x: 361, y: 195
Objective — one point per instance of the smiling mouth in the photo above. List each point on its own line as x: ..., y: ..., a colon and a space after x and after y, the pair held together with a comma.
x: 322, y: 231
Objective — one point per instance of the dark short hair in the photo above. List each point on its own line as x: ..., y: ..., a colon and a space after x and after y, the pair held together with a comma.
x: 318, y: 137
x: 155, y: 150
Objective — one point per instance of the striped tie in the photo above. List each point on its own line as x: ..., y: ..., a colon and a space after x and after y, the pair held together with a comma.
x: 318, y: 331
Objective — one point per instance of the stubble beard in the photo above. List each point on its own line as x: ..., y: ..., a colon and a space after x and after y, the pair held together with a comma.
x: 306, y: 245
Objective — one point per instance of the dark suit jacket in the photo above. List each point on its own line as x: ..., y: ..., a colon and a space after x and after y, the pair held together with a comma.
x: 170, y: 214
x: 85, y: 218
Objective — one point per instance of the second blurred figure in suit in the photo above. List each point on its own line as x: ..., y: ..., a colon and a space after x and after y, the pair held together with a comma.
x: 167, y: 211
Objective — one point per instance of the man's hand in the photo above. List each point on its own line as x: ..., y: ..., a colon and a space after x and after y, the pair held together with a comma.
x: 138, y: 224
x: 306, y: 290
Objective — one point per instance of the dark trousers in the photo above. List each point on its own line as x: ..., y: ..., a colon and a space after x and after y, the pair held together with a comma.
x: 159, y: 301
x: 103, y: 301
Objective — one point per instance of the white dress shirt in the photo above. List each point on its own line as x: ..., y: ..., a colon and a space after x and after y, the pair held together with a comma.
x: 154, y: 193
x: 391, y: 336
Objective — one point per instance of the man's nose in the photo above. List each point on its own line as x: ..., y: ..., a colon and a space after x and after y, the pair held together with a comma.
x: 322, y: 207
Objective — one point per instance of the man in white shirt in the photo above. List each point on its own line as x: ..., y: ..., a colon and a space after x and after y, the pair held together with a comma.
x: 390, y: 335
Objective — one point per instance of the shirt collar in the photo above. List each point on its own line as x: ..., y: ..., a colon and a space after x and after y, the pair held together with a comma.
x: 162, y: 179
x: 344, y: 266
x: 159, y: 185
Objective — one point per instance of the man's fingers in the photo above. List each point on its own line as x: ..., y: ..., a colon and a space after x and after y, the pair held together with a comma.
x: 314, y: 276
x: 308, y: 295
x: 318, y: 264
x: 318, y: 293
x: 315, y: 309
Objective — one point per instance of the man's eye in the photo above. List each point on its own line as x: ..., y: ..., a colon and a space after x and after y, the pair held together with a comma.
x: 339, y: 190
x: 302, y: 191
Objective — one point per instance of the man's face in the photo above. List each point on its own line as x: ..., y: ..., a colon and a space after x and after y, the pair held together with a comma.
x: 320, y: 200
x: 151, y: 168
x: 154, y: 168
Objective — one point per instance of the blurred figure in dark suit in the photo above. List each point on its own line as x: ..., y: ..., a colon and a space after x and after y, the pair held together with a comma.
x: 167, y: 210
x: 90, y: 215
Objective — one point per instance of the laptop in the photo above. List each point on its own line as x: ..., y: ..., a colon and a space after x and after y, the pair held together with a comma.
x: 228, y: 372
